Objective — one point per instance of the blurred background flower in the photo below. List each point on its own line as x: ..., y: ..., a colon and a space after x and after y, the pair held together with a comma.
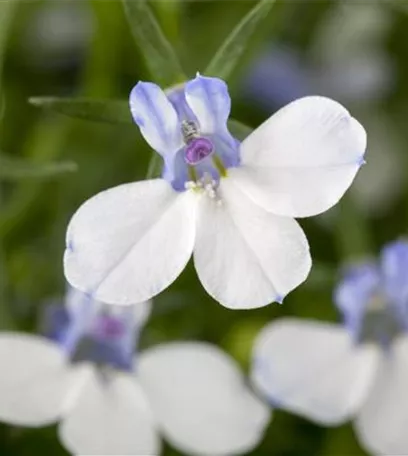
x: 333, y: 373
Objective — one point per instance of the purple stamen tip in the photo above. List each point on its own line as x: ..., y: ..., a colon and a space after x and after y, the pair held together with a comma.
x: 198, y: 149
x: 109, y: 327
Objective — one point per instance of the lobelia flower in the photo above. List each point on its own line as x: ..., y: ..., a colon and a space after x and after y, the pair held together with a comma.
x: 231, y: 203
x: 331, y: 373
x: 112, y: 401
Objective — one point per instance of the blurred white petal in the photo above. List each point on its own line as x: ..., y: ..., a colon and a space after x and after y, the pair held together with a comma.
x: 302, y: 159
x: 110, y: 417
x: 129, y: 243
x: 245, y: 256
x: 313, y: 369
x: 35, y: 380
x: 200, y: 399
x: 382, y: 422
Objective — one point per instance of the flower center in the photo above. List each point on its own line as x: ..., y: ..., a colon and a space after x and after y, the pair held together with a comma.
x: 108, y: 327
x: 381, y: 322
x: 198, y: 148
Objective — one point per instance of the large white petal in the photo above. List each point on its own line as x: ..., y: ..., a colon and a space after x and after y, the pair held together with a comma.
x: 245, y: 256
x: 313, y: 369
x: 200, y: 399
x: 129, y: 243
x: 383, y: 420
x: 35, y: 380
x: 110, y: 417
x: 302, y: 159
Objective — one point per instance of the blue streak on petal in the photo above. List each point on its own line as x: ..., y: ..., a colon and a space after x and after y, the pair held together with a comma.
x: 394, y: 268
x: 178, y: 100
x: 354, y: 292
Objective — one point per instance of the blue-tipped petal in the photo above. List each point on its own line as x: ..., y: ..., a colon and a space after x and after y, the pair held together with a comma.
x: 156, y: 118
x: 354, y: 292
x: 209, y: 100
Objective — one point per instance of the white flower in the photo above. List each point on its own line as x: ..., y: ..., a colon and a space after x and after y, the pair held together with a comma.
x: 231, y: 204
x: 111, y: 401
x: 332, y: 373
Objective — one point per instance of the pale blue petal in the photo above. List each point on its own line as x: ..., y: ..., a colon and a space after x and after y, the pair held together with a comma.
x: 354, y: 292
x: 156, y: 118
x: 209, y: 100
x: 394, y: 265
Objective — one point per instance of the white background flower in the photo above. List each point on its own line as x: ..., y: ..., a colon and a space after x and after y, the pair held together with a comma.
x: 191, y: 393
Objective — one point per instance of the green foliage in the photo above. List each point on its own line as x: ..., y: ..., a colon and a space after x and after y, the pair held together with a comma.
x: 156, y: 49
x: 15, y: 168
x: 232, y: 50
x: 89, y: 78
x: 108, y: 111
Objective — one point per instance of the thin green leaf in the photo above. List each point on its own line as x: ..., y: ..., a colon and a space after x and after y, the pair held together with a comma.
x: 17, y: 168
x: 108, y: 111
x: 233, y: 48
x: 160, y: 57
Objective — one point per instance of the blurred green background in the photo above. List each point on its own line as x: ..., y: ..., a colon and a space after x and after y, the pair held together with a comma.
x: 355, y: 52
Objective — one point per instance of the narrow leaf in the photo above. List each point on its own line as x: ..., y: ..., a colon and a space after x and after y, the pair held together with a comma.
x: 160, y: 57
x: 108, y: 111
x: 233, y: 48
x: 12, y: 168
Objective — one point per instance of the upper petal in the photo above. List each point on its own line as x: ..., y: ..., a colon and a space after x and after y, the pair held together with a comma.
x: 129, y: 243
x: 382, y: 422
x: 245, y: 256
x: 354, y: 292
x: 302, y: 159
x: 313, y: 369
x: 110, y: 417
x: 209, y: 100
x: 200, y: 399
x: 35, y: 380
x: 394, y: 268
x: 156, y: 118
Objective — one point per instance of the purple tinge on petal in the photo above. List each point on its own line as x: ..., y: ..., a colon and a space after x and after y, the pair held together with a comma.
x: 197, y: 150
x: 110, y: 340
x: 358, y: 287
x: 94, y: 332
x: 394, y: 268
x: 108, y: 327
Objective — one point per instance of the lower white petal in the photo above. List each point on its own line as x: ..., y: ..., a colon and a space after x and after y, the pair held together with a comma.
x: 110, y: 417
x: 200, y: 399
x: 313, y: 369
x: 382, y: 422
x: 35, y: 380
x: 245, y: 256
x: 129, y: 243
